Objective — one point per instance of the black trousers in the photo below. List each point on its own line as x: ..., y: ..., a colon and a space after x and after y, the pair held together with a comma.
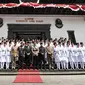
x: 42, y: 61
x: 28, y: 60
x: 35, y: 60
x: 21, y: 62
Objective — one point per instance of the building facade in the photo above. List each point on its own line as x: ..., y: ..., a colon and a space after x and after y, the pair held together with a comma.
x: 43, y: 26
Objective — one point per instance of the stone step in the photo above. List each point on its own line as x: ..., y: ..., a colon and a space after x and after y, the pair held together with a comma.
x: 45, y: 72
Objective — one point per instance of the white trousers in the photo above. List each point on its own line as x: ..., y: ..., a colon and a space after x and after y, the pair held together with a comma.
x: 82, y: 65
x: 2, y: 65
x: 72, y: 65
x: 7, y: 65
x: 58, y: 65
x: 76, y: 65
x: 64, y: 65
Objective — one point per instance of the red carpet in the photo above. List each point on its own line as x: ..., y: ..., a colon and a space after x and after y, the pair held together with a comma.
x: 28, y: 76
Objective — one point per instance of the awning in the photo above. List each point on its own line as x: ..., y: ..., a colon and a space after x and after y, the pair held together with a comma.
x: 73, y: 7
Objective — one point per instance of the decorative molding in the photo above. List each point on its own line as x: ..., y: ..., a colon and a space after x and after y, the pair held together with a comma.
x: 58, y: 23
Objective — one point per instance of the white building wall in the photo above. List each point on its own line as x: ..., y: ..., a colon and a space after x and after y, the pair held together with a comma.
x: 74, y: 23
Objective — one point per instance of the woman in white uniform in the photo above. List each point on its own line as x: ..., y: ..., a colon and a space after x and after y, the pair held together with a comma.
x: 3, y: 57
x: 82, y: 48
x: 75, y: 56
x: 70, y: 55
x: 0, y: 55
x: 64, y: 59
x: 83, y: 57
x: 56, y: 55
x: 8, y: 56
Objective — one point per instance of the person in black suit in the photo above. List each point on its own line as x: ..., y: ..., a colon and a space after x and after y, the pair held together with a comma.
x: 28, y: 57
x: 41, y: 56
x: 21, y: 51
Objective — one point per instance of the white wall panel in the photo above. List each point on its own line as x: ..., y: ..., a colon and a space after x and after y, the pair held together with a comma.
x: 74, y: 23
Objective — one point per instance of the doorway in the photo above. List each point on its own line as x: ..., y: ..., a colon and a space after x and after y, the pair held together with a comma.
x: 32, y: 31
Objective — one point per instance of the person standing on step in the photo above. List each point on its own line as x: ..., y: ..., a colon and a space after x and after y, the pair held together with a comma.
x: 28, y: 57
x: 0, y: 55
x: 81, y: 54
x: 49, y: 50
x: 8, y: 55
x: 56, y: 55
x: 21, y: 51
x: 41, y: 56
x: 3, y: 57
x: 63, y: 55
x: 14, y: 52
x: 35, y: 57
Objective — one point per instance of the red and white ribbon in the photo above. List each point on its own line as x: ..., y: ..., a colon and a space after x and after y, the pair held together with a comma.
x: 73, y: 7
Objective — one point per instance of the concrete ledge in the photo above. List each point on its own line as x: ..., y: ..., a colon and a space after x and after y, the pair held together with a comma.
x: 45, y: 72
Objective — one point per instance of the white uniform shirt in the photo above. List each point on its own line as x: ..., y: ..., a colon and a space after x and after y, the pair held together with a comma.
x: 37, y: 45
x: 82, y: 53
x: 45, y: 44
x: 12, y: 44
x: 3, y: 58
x: 56, y: 54
x: 8, y: 52
x: 18, y: 44
x: 0, y: 53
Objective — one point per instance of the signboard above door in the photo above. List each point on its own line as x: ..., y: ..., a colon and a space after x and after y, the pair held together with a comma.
x: 29, y: 20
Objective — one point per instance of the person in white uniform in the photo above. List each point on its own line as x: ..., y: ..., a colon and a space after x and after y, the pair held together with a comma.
x: 61, y: 57
x: 56, y: 55
x: 8, y: 55
x: 0, y: 55
x: 69, y: 55
x: 3, y: 57
x: 75, y: 56
x: 82, y: 48
x: 64, y: 59
x: 2, y: 44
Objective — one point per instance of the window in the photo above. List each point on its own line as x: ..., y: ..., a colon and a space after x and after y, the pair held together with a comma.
x: 71, y: 36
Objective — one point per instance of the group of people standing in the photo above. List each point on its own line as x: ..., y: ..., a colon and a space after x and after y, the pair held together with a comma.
x: 60, y: 53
